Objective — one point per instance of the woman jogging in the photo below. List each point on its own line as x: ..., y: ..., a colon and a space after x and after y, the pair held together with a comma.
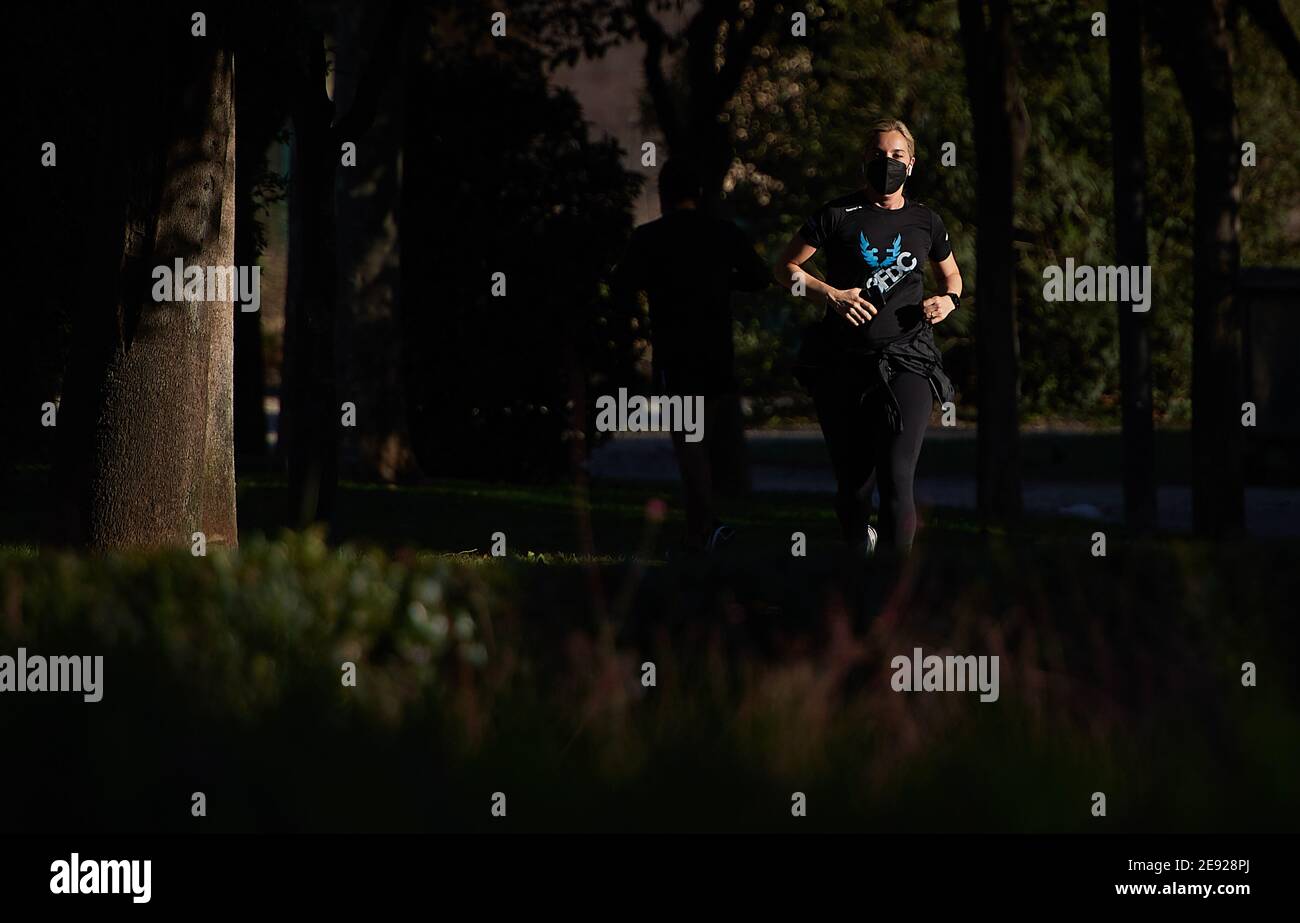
x: 871, y: 363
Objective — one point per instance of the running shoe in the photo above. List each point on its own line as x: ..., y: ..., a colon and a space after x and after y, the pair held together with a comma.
x: 719, y: 535
x: 869, y: 545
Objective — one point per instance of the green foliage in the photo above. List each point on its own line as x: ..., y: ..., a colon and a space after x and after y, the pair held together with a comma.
x: 246, y: 630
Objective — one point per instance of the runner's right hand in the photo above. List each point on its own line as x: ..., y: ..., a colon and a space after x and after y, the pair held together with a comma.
x: 850, y: 305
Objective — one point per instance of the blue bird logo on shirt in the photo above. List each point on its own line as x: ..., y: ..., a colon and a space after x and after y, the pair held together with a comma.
x: 869, y: 252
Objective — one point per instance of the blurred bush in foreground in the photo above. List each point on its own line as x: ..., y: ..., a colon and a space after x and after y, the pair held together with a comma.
x: 222, y: 675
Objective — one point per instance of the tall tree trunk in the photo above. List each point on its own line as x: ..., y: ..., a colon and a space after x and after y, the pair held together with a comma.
x: 257, y: 123
x: 312, y: 409
x: 369, y: 335
x: 250, y: 367
x: 313, y: 416
x: 1201, y: 55
x: 219, y: 524
x: 1127, y: 134
x: 148, y: 449
x: 1000, y: 140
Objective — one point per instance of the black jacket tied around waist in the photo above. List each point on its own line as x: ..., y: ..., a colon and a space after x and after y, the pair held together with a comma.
x: 827, y: 359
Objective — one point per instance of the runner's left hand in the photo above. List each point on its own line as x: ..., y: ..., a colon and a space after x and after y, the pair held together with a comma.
x: 937, y: 307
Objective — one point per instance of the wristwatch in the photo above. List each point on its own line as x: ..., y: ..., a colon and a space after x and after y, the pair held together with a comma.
x: 956, y: 299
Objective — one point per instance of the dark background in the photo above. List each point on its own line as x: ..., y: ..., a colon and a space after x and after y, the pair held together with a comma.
x: 475, y: 415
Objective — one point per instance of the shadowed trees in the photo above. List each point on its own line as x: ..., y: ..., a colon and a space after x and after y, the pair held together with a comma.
x: 691, y: 75
x: 1128, y: 134
x: 371, y: 347
x: 719, y: 40
x: 505, y: 181
x: 716, y: 46
x: 259, y: 117
x: 508, y: 198
x: 312, y: 415
x: 1000, y: 140
x: 1196, y: 42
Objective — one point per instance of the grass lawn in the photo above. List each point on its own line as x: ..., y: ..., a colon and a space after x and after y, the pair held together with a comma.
x: 609, y: 522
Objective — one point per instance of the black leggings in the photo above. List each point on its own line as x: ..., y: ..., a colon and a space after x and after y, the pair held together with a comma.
x: 862, y: 445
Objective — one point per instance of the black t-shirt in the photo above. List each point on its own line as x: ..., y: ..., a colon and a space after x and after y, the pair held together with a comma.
x: 881, y: 250
x: 688, y: 262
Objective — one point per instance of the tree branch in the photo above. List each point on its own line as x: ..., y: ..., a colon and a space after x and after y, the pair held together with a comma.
x: 701, y: 39
x: 740, y: 45
x: 656, y: 41
x: 1272, y: 21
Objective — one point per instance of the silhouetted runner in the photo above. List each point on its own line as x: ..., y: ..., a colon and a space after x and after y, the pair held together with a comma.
x: 688, y: 263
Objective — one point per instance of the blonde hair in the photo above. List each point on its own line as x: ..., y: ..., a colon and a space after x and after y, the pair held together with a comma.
x: 884, y: 126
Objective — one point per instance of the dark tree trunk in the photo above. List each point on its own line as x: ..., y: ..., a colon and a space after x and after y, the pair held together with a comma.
x: 313, y: 404
x: 312, y: 409
x: 256, y: 131
x: 250, y: 371
x: 1200, y: 53
x: 369, y: 336
x: 1000, y: 139
x: 1127, y: 127
x: 147, y: 453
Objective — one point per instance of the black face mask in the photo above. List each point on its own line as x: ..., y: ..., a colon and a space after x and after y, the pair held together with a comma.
x: 886, y: 175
